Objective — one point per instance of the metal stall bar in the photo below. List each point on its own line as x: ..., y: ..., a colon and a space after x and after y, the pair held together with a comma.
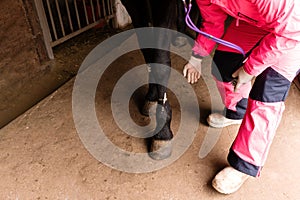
x: 60, y: 19
x: 93, y: 11
x: 103, y: 8
x: 69, y: 15
x: 77, y: 14
x: 67, y: 18
x: 98, y: 9
x: 85, y: 12
x: 52, y: 21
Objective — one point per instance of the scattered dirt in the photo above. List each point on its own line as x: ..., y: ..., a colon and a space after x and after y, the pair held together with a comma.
x: 43, y: 157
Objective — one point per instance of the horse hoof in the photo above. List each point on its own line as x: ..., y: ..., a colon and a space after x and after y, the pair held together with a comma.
x: 149, y: 108
x: 160, y: 149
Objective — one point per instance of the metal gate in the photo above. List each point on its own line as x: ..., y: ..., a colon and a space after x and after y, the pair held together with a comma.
x: 63, y: 19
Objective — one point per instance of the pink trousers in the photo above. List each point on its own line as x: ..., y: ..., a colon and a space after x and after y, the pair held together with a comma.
x: 265, y: 105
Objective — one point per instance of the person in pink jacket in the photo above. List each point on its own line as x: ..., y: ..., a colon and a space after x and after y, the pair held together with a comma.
x: 269, y: 32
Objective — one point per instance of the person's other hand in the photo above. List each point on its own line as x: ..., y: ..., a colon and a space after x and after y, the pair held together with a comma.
x: 192, y: 70
x: 240, y: 78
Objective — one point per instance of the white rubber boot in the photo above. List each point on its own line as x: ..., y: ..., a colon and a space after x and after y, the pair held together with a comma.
x: 229, y: 180
x: 217, y: 120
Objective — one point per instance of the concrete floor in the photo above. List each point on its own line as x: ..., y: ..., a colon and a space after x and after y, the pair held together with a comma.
x: 43, y: 157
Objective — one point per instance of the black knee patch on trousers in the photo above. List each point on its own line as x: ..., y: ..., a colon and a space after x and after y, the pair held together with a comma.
x: 241, y: 107
x: 239, y: 164
x: 225, y: 64
x: 270, y: 86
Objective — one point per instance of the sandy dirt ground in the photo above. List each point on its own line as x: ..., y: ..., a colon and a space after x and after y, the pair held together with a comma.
x: 43, y: 157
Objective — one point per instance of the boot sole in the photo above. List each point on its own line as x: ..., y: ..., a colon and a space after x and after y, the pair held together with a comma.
x: 235, y: 122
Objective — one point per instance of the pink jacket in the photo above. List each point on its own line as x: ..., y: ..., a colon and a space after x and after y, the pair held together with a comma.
x: 281, y: 18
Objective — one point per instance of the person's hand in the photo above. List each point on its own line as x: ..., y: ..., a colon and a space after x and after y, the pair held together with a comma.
x: 240, y: 78
x: 192, y: 70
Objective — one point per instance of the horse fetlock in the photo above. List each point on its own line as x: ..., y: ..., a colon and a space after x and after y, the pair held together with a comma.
x: 149, y: 108
x: 163, y: 113
x: 163, y: 122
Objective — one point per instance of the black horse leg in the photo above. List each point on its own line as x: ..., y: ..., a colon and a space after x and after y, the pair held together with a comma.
x: 161, y: 146
x: 156, y: 103
x: 163, y: 15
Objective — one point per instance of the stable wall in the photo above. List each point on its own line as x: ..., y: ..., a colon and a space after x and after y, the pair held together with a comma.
x: 23, y: 57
